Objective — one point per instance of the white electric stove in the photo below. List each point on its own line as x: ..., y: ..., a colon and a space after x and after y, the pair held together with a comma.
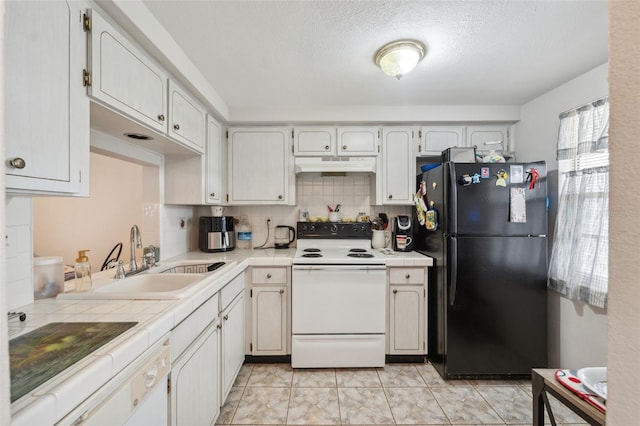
x: 338, y: 297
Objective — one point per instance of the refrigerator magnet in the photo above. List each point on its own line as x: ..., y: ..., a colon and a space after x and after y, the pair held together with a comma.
x: 484, y: 172
x: 502, y: 178
x: 518, y: 206
x: 517, y: 174
x: 475, y: 178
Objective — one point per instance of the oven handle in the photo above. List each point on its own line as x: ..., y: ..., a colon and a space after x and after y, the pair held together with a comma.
x: 339, y: 267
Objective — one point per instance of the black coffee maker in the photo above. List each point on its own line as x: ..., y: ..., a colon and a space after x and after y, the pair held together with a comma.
x: 402, y: 233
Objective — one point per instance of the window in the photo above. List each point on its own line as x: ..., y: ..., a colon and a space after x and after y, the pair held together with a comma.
x: 580, y: 256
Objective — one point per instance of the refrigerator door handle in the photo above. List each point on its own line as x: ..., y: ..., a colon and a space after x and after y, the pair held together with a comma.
x: 454, y: 271
x: 452, y: 199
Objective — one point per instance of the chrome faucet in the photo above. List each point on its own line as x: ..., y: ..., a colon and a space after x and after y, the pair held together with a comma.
x: 134, y: 241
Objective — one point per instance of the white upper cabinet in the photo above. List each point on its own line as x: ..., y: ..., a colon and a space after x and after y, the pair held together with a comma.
x: 196, y: 180
x: 358, y: 141
x: 187, y: 118
x: 261, y: 166
x: 215, y: 163
x: 46, y: 123
x: 435, y: 139
x: 314, y: 141
x: 488, y: 137
x: 124, y: 78
x: 398, y: 166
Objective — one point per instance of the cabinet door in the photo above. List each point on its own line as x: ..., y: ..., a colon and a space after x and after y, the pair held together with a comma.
x: 215, y: 163
x: 406, y: 319
x: 314, y: 141
x: 479, y: 135
x: 232, y: 320
x: 358, y: 141
x: 187, y: 122
x: 269, y: 313
x: 46, y: 125
x: 437, y: 139
x: 195, y: 382
x: 260, y: 166
x: 398, y: 171
x: 125, y: 78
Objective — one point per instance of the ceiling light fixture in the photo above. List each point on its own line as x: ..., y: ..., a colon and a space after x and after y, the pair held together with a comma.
x: 400, y: 57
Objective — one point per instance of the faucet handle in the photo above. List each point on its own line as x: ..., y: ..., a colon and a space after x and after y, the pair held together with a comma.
x: 120, y: 274
x: 149, y: 260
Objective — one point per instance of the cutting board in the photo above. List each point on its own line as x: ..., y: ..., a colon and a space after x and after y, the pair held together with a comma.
x: 41, y: 354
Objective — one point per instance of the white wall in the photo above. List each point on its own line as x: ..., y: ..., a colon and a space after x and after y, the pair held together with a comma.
x: 537, y: 131
x: 577, y: 332
x: 64, y: 225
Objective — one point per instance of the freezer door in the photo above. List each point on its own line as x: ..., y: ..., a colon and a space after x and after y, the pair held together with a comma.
x: 483, y: 208
x: 496, y: 318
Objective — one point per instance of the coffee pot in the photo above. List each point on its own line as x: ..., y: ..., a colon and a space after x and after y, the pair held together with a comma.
x: 284, y: 235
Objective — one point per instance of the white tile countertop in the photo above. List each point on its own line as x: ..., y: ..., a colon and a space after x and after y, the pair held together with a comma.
x: 52, y: 400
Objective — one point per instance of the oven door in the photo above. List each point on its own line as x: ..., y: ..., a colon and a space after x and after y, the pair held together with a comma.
x: 338, y: 299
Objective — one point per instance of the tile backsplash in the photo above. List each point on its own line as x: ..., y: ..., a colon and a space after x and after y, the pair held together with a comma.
x: 313, y: 193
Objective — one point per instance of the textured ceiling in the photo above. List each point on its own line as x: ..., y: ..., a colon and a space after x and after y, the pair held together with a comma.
x: 291, y: 54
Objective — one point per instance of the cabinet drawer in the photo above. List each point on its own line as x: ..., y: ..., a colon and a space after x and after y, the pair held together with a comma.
x: 269, y: 276
x: 187, y: 331
x: 406, y: 275
x: 231, y: 290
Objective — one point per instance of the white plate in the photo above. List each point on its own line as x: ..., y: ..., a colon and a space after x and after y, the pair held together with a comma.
x: 595, y: 380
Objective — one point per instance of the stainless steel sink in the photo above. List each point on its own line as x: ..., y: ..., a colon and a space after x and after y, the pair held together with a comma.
x: 193, y: 268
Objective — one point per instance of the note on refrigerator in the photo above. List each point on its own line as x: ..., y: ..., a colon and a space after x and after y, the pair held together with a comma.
x: 518, y: 206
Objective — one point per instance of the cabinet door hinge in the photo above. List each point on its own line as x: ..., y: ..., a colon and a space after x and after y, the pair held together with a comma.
x: 419, y: 148
x: 251, y: 293
x: 292, y: 130
x: 378, y: 148
x: 227, y: 134
x: 86, y: 22
x: 293, y: 150
x: 419, y: 134
x: 251, y: 347
x: 227, y: 198
x: 424, y: 345
x: 425, y: 292
x: 86, y: 78
x: 379, y: 136
x: 168, y: 385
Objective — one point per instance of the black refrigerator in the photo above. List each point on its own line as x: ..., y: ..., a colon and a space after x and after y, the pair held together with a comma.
x: 487, y: 304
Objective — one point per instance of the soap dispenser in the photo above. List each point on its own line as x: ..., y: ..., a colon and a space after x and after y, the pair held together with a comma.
x: 83, y: 272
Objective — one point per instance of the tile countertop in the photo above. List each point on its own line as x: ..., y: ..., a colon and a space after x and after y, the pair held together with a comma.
x: 51, y: 401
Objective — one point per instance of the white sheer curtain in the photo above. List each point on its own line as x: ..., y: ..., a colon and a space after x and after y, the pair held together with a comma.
x: 579, y: 259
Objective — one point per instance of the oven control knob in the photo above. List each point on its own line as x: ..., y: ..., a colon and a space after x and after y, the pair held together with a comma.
x: 312, y: 228
x: 303, y: 228
x: 334, y: 228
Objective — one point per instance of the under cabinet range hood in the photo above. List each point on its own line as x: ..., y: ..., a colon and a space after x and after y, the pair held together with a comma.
x: 335, y: 164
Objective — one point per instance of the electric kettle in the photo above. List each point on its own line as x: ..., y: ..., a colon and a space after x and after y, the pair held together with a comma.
x: 284, y: 235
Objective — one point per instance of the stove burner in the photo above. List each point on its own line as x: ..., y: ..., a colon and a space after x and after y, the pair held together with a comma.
x: 312, y: 254
x: 311, y: 250
x: 357, y: 251
x: 360, y: 255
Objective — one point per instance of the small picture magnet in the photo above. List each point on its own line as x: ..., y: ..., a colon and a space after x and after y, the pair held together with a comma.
x: 517, y: 173
x: 484, y: 173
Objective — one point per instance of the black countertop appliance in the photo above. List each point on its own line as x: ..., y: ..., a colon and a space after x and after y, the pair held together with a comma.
x: 403, y: 239
x: 217, y: 234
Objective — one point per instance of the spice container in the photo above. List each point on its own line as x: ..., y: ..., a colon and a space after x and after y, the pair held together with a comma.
x: 48, y: 276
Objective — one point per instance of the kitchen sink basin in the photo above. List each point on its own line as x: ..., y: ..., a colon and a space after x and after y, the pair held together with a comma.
x: 141, y: 286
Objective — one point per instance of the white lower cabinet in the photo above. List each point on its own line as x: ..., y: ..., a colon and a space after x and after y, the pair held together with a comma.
x: 407, y: 296
x: 194, y: 382
x: 270, y: 314
x: 269, y: 326
x: 232, y: 333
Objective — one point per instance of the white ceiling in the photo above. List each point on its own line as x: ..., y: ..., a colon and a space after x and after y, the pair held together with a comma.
x: 260, y: 54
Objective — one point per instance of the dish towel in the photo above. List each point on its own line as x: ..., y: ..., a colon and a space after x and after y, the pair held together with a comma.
x: 570, y: 380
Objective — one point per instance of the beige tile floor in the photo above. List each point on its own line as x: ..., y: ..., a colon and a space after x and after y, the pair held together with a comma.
x: 398, y: 394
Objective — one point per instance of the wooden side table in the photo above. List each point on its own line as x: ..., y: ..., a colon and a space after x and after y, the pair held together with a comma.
x: 543, y: 381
